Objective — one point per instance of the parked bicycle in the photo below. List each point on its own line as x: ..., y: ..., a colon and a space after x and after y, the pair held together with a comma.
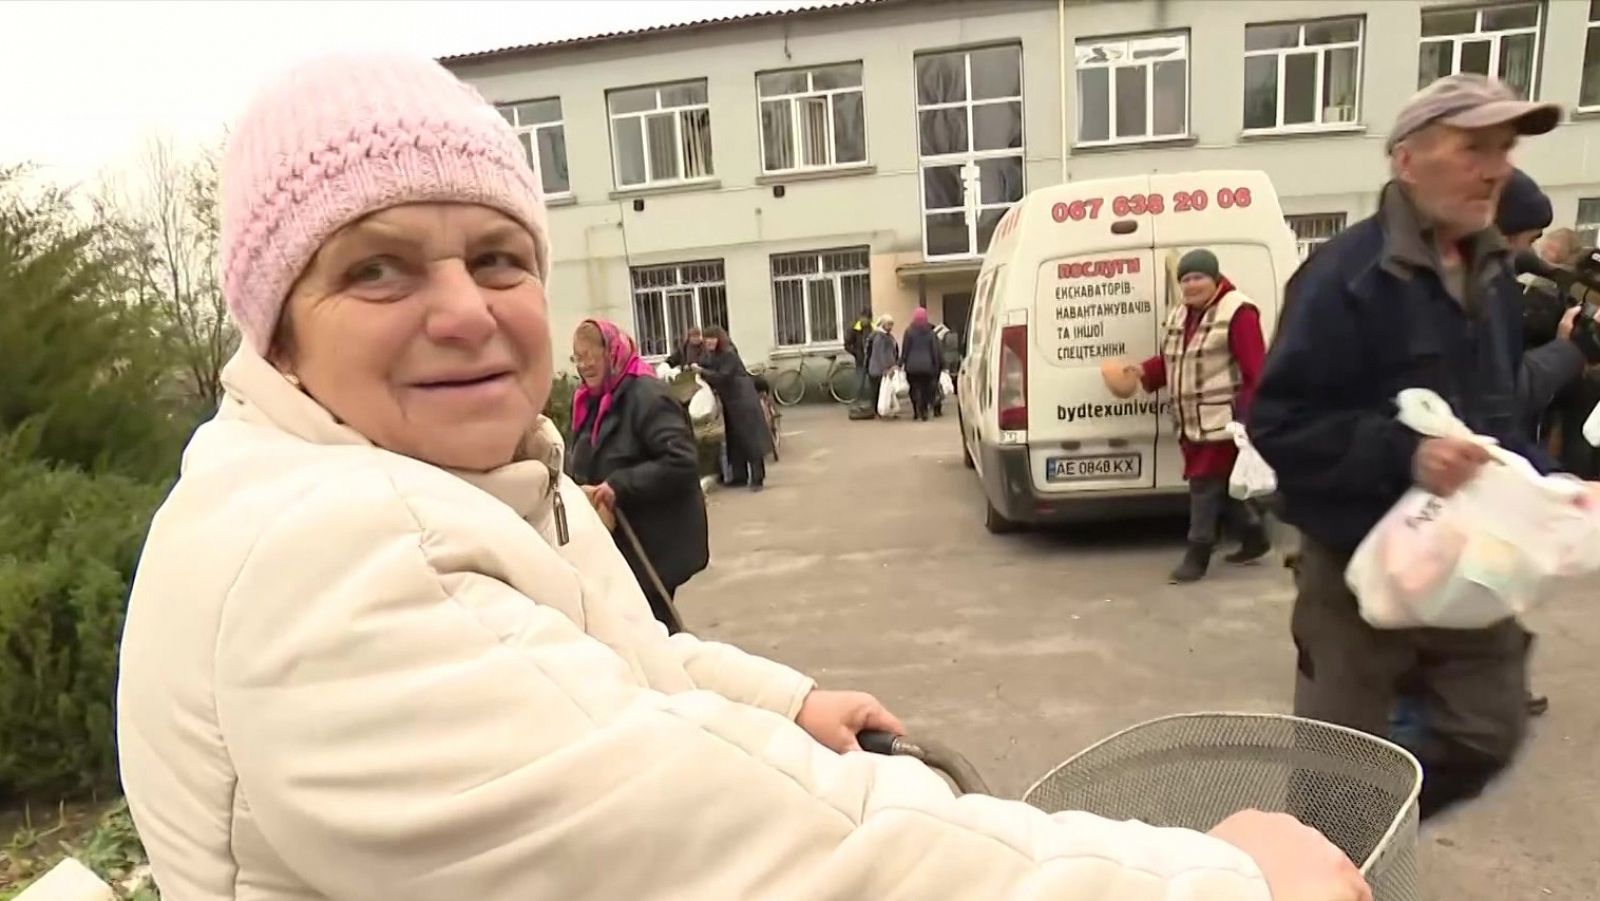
x: 789, y: 385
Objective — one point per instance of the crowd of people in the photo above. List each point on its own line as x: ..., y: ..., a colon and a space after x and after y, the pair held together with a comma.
x: 927, y: 355
x: 431, y: 651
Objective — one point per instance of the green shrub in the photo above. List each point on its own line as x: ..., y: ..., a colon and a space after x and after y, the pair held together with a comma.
x: 559, y: 406
x: 69, y: 541
x: 80, y: 366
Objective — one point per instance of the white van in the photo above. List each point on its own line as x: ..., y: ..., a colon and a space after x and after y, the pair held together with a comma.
x: 1077, y: 274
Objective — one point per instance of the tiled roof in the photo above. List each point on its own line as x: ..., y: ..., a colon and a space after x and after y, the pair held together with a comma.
x: 696, y: 25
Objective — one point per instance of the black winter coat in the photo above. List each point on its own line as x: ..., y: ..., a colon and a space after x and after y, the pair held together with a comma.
x: 746, y: 428
x: 920, y: 352
x: 646, y: 451
x: 1352, y: 335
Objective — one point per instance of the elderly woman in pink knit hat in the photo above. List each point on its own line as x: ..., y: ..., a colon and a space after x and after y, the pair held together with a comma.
x: 379, y: 647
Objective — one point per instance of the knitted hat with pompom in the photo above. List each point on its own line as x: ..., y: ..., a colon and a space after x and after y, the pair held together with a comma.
x: 341, y: 137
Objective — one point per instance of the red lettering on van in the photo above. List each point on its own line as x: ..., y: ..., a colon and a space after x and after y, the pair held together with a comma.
x: 1106, y: 269
x: 1077, y: 210
x: 1150, y: 204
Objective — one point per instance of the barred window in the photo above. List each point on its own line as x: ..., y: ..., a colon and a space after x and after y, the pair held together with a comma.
x: 670, y: 300
x: 816, y: 295
x: 1309, y: 231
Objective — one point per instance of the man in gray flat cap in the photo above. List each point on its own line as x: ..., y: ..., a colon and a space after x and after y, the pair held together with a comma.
x: 1420, y: 295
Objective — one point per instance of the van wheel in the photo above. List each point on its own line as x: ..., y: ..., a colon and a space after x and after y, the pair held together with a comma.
x: 995, y: 523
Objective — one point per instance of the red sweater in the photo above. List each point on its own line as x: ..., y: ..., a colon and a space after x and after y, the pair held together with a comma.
x: 1214, y: 459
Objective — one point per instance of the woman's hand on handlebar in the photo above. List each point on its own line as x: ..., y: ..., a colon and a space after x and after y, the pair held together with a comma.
x: 1298, y: 863
x: 834, y: 717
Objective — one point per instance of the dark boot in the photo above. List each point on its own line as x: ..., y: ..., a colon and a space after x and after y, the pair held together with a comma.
x: 1195, y: 563
x: 1252, y: 547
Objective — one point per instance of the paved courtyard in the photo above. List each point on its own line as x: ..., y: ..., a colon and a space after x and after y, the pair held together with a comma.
x: 866, y: 564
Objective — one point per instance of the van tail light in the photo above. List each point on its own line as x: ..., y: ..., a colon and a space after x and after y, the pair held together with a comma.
x: 1012, y: 390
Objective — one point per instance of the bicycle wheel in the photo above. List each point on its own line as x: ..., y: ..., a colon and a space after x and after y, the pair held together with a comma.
x: 789, y: 387
x: 843, y: 383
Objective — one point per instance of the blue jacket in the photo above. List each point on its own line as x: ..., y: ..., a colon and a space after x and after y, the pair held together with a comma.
x: 1365, y: 317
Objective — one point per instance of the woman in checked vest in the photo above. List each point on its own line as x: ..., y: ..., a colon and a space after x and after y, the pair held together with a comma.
x: 1210, y: 360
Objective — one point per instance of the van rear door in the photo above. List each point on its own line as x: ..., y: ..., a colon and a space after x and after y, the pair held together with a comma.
x: 1093, y: 302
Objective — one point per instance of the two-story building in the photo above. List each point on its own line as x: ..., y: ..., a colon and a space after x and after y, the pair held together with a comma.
x: 775, y: 173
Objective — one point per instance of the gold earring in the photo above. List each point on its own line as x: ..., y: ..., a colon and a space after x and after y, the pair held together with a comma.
x: 292, y: 379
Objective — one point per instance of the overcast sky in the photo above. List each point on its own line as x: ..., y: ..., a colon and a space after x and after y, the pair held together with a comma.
x: 84, y: 85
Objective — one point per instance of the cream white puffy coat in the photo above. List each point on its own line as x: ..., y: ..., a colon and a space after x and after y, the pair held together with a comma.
x: 347, y: 674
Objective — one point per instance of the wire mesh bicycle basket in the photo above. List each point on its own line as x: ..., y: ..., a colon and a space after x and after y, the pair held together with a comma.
x: 1194, y: 770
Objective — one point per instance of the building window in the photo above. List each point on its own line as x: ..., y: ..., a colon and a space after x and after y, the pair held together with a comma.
x: 1501, y: 40
x: 969, y: 127
x: 670, y: 300
x: 1313, y: 230
x: 1302, y: 74
x: 1588, y: 222
x: 812, y: 118
x: 1589, y: 93
x: 661, y: 134
x: 1133, y: 89
x: 544, y: 139
x: 815, y: 296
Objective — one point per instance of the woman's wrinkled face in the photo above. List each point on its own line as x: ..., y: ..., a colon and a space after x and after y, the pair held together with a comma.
x: 424, y: 328
x: 1197, y: 289
x: 589, y: 356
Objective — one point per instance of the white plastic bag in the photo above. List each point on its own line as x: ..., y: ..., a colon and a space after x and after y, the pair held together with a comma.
x: 666, y: 373
x: 888, y: 398
x: 1251, y: 476
x: 947, y: 387
x: 703, y: 405
x: 1483, y: 554
x: 902, y: 386
x: 1591, y: 427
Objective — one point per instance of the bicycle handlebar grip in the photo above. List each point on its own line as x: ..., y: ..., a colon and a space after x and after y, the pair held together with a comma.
x: 877, y: 742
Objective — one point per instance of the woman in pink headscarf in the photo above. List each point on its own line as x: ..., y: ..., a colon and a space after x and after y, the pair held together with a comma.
x: 633, y: 450
x: 922, y: 358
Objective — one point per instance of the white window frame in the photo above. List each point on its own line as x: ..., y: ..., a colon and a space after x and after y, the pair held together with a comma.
x: 1299, y: 223
x: 1589, y: 31
x: 1084, y: 46
x: 1321, y: 51
x: 1587, y: 227
x: 808, y: 281
x: 972, y: 202
x: 1495, y: 37
x: 677, y: 111
x: 828, y: 96
x: 511, y: 113
x: 685, y: 277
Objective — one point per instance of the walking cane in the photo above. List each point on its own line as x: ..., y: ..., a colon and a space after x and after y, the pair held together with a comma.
x: 674, y: 621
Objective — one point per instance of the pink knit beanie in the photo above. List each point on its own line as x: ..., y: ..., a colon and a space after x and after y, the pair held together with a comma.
x: 341, y: 137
